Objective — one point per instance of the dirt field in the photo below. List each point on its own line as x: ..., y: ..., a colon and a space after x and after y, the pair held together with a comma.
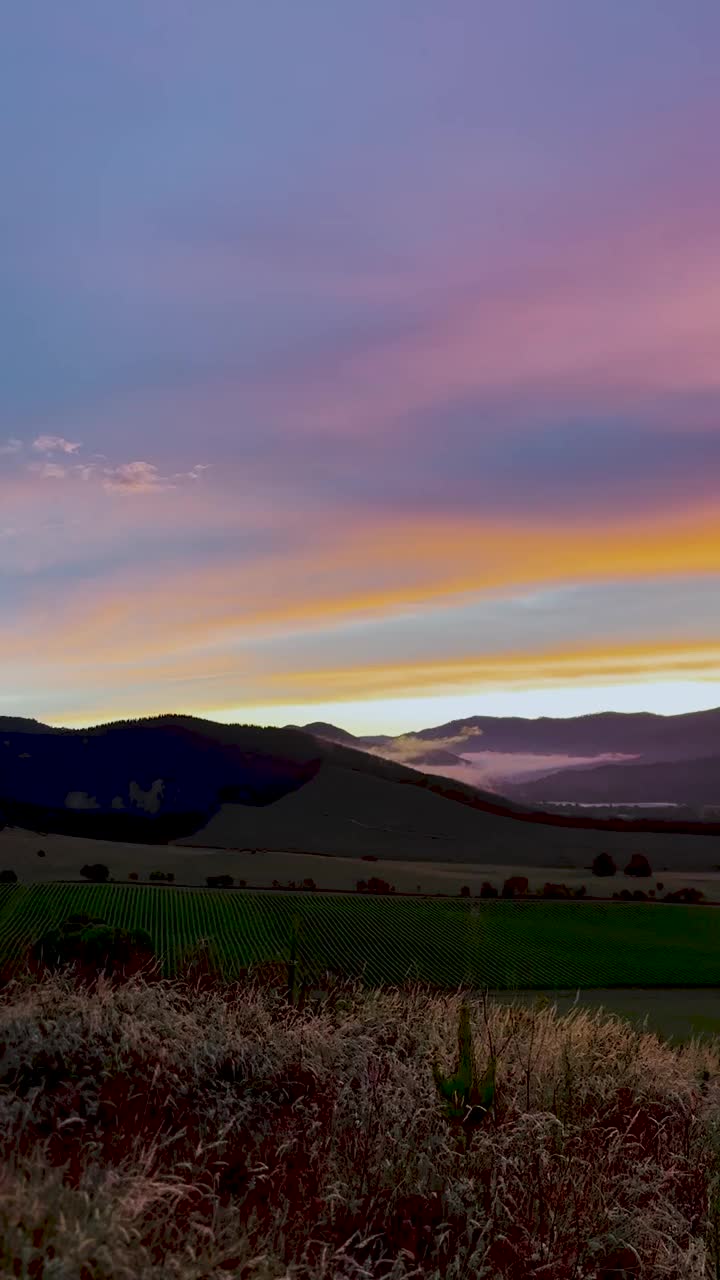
x: 65, y: 855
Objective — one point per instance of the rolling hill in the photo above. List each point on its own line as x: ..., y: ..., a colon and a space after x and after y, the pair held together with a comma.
x: 235, y: 786
x: 684, y: 782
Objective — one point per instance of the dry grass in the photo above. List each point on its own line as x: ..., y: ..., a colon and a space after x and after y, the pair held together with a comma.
x: 159, y: 1129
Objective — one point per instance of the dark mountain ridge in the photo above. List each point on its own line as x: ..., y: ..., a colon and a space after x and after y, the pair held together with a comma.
x: 691, y: 735
x: 166, y: 778
x: 686, y: 782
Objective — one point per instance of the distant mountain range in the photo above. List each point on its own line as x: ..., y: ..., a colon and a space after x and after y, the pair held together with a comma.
x: 178, y: 778
x: 600, y: 759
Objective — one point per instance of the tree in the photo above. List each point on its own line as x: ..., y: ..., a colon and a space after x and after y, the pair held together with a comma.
x: 515, y: 886
x: 465, y: 891
x: 638, y: 866
x: 689, y: 897
x: 374, y: 885
x: 604, y: 865
x: 8, y: 877
x: 219, y: 882
x: 555, y: 891
x: 162, y: 877
x: 488, y: 890
x: 133, y: 875
x: 96, y: 871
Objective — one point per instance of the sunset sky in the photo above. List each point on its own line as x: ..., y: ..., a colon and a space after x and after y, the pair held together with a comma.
x: 359, y: 361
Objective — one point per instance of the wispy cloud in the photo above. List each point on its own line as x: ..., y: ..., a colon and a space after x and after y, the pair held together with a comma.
x: 135, y: 477
x: 55, y: 444
x: 10, y: 447
x: 49, y: 470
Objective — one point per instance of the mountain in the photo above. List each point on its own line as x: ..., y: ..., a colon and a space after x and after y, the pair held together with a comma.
x: 413, y: 752
x: 686, y: 782
x: 238, y: 786
x: 653, y: 737
x: 20, y: 724
x: 508, y: 754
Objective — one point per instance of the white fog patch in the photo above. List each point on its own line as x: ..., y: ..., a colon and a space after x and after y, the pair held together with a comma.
x: 80, y: 800
x: 150, y: 800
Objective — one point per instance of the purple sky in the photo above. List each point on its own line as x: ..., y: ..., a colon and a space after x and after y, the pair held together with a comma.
x: 359, y: 357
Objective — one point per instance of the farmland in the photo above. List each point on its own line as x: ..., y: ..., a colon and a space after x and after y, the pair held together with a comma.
x: 498, y: 944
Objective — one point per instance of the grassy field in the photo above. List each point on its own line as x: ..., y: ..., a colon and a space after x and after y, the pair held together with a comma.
x: 65, y: 855
x: 154, y: 1130
x: 497, y: 944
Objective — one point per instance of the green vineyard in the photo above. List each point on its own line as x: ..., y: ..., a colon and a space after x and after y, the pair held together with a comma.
x: 500, y: 944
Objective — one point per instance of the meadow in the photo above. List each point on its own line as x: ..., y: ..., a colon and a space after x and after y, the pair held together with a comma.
x: 156, y: 1129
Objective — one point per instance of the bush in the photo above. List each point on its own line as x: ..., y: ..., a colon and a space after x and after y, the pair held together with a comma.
x: 242, y: 884
x: 465, y: 891
x: 638, y: 866
x: 95, y: 871
x: 309, y: 883
x: 92, y: 946
x: 515, y: 887
x: 488, y: 890
x: 8, y: 877
x: 133, y: 875
x: 219, y: 882
x: 374, y: 885
x: 162, y: 877
x: 555, y: 891
x: 689, y: 897
x: 604, y: 865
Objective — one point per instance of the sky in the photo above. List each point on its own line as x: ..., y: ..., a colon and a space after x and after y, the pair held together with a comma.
x: 359, y: 362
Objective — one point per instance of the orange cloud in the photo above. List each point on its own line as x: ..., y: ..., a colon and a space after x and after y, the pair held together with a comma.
x: 508, y: 671
x: 354, y: 572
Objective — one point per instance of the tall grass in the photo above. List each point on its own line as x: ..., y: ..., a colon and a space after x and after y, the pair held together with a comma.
x: 157, y: 1129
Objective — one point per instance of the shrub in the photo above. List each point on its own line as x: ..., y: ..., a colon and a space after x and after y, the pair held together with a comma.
x: 638, y: 866
x: 604, y: 865
x: 515, y: 887
x: 309, y: 883
x: 488, y: 890
x: 162, y: 877
x: 465, y: 891
x: 690, y: 897
x: 242, y: 884
x: 95, y: 871
x: 8, y: 877
x: 92, y: 946
x: 555, y: 891
x: 133, y: 875
x: 219, y: 882
x: 374, y: 885
x: 467, y: 1098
